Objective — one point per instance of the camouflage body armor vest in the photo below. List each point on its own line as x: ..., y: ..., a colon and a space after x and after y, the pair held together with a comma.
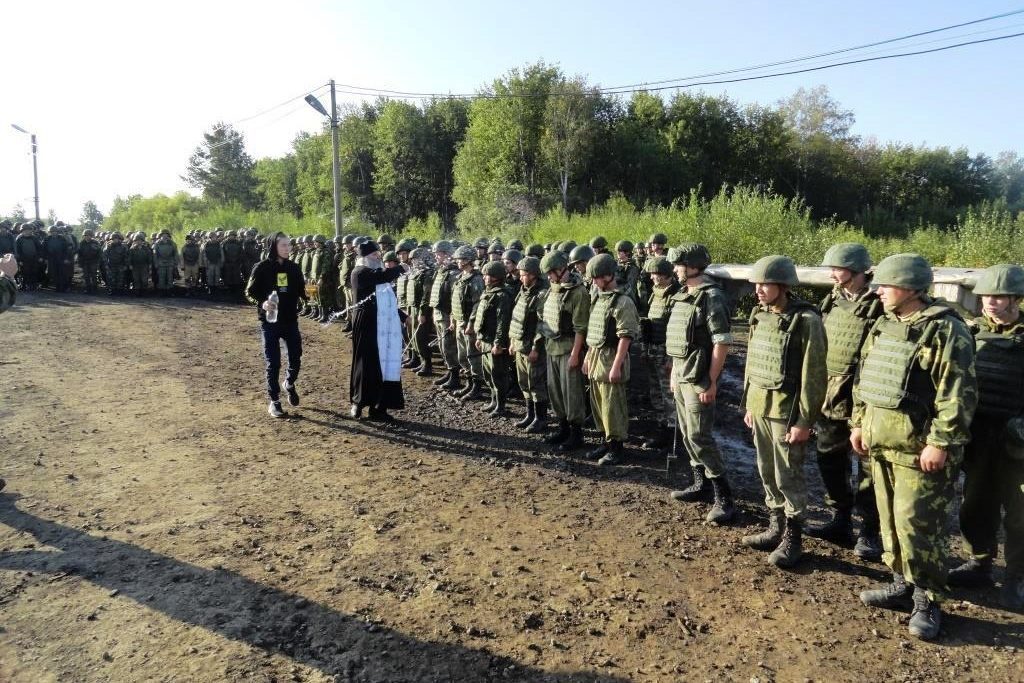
x: 886, y: 377
x: 658, y: 310
x: 190, y: 254
x: 461, y: 301
x: 486, y: 323
x: 524, y: 317
x: 400, y: 290
x: 421, y: 282
x: 999, y: 364
x: 441, y: 291
x: 847, y: 324
x: 212, y: 252
x: 768, y: 349
x: 601, y: 336
x: 557, y: 320
x: 681, y: 331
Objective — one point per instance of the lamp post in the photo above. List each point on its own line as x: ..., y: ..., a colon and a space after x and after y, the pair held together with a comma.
x: 312, y: 101
x: 35, y: 169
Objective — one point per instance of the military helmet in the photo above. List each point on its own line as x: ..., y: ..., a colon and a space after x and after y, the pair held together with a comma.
x: 494, y: 269
x: 419, y: 252
x: 536, y: 250
x: 406, y: 245
x: 516, y: 244
x: 1001, y: 280
x: 140, y: 237
x: 443, y: 246
x: 774, y: 270
x: 425, y: 244
x: 495, y: 247
x: 624, y: 245
x: 658, y: 238
x: 6, y: 224
x: 466, y: 253
x: 691, y: 254
x: 659, y: 265
x: 360, y: 240
x: 480, y: 243
x: 87, y: 233
x: 601, y: 265
x: 908, y: 271
x: 599, y: 242
x: 556, y: 260
x: 581, y: 253
x: 389, y: 256
x: 117, y: 235
x: 165, y: 231
x: 320, y: 239
x: 849, y: 255
x: 567, y: 246
x: 529, y: 264
x: 385, y: 239
x: 348, y: 239
x: 513, y: 255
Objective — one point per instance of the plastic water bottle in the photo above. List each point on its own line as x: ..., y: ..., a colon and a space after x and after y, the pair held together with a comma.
x: 273, y: 300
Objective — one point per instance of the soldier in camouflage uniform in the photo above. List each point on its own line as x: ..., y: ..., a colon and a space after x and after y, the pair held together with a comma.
x: 420, y: 283
x: 994, y: 461
x: 697, y: 340
x: 231, y: 270
x: 347, y: 263
x: 90, y: 253
x: 319, y: 264
x: 481, y: 244
x: 495, y: 250
x: 491, y: 325
x: 190, y: 256
x: 612, y: 326
x: 564, y: 317
x: 213, y: 259
x: 115, y: 255
x: 511, y: 259
x: 914, y: 398
x: 165, y: 255
x: 783, y: 391
x: 440, y: 302
x: 652, y: 347
x: 466, y: 291
x: 600, y: 246
x: 527, y: 345
x: 849, y: 311
x: 140, y: 258
x: 627, y: 274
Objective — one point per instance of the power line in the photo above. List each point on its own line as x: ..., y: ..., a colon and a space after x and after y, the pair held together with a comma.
x: 275, y: 107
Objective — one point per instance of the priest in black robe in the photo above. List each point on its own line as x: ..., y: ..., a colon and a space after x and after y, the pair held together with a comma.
x: 375, y: 382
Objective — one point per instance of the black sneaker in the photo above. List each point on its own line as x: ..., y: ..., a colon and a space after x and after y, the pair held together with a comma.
x: 293, y: 396
x: 275, y: 409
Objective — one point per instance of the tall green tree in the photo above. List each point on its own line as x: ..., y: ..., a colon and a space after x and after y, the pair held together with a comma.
x: 91, y: 216
x: 568, y: 134
x: 222, y: 169
x: 276, y: 183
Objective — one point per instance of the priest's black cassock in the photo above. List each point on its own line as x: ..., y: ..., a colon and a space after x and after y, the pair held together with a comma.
x: 367, y: 387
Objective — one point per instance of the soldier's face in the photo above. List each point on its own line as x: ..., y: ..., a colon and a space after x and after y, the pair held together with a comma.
x: 604, y: 282
x: 662, y: 280
x: 527, y: 279
x: 895, y: 298
x: 463, y: 263
x: 581, y: 267
x: 623, y: 256
x: 403, y: 257
x: 491, y: 281
x: 768, y: 294
x: 1001, y: 307
x: 555, y: 276
x: 509, y: 266
x: 840, y: 276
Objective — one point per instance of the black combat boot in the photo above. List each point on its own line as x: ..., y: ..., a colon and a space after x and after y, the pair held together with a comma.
x: 1012, y: 595
x: 926, y: 617
x: 662, y: 438
x: 472, y: 392
x: 464, y: 390
x: 574, y: 441
x: 499, y: 409
x: 531, y: 413
x: 540, y: 422
x: 723, y: 509
x: 895, y: 595
x: 838, y: 530
x: 972, y: 574
x: 598, y: 452
x: 698, y: 490
x: 426, y: 370
x: 769, y: 538
x: 492, y: 403
x: 412, y: 363
x: 561, y: 435
x: 613, y: 456
x: 443, y: 379
x: 869, y: 545
x: 454, y: 382
x: 791, y: 547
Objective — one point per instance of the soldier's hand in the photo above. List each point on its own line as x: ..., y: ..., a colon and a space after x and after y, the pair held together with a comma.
x: 708, y: 397
x: 533, y: 357
x: 933, y: 459
x: 857, y: 441
x: 478, y: 346
x: 497, y: 351
x: 586, y: 368
x: 748, y: 419
x: 797, y: 435
x: 615, y: 374
x: 574, y: 361
x: 451, y: 328
x: 422, y: 319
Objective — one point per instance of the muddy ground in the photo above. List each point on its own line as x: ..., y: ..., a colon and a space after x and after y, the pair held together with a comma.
x: 158, y: 526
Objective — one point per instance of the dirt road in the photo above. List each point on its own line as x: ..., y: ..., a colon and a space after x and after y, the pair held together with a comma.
x: 158, y: 526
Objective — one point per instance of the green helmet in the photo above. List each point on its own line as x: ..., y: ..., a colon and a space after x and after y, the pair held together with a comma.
x: 849, y: 255
x: 601, y: 265
x: 516, y: 244
x: 443, y: 246
x: 581, y: 253
x: 908, y: 271
x: 425, y: 244
x: 480, y: 243
x: 87, y: 233
x: 385, y: 239
x: 530, y: 264
x: 495, y: 247
x: 513, y: 255
x: 599, y: 242
x: 556, y: 260
x: 536, y: 250
x: 658, y: 238
x: 624, y: 245
x: 774, y: 270
x: 494, y: 269
x: 320, y: 239
x: 658, y: 265
x: 690, y: 254
x: 419, y: 253
x: 567, y: 246
x: 117, y: 235
x: 465, y: 253
x: 1002, y: 280
x: 389, y: 256
x: 348, y: 239
x: 406, y: 245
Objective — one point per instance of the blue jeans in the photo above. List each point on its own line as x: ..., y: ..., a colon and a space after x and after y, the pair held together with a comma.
x: 273, y: 334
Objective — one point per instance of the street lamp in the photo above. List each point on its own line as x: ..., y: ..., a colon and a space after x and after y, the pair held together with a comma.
x: 336, y: 165
x: 35, y: 170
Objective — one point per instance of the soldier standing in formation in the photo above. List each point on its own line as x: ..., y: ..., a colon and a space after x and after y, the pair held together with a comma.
x: 466, y: 291
x: 440, y: 302
x: 527, y: 345
x: 491, y: 326
x: 90, y: 253
x: 652, y: 329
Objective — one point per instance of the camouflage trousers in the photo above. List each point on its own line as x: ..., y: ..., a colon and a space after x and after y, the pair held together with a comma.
x: 781, y: 466
x: 421, y: 336
x: 532, y: 377
x: 446, y: 340
x: 340, y: 297
x: 115, y: 278
x: 913, y: 510
x: 565, y: 389
x: 90, y: 275
x: 164, y: 277
x: 835, y: 459
x: 212, y: 275
x: 140, y: 278
x: 696, y: 425
x: 497, y: 371
x: 191, y: 275
x: 325, y: 292
x: 995, y: 482
x: 609, y: 401
x: 469, y: 361
x: 659, y: 384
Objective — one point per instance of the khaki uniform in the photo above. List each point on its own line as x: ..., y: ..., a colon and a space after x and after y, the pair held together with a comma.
x: 784, y: 386
x: 699, y: 319
x: 613, y: 317
x: 466, y: 292
x: 565, y: 313
x: 491, y: 324
x: 440, y: 302
x: 418, y: 294
x: 525, y: 337
x: 653, y: 328
x: 916, y: 386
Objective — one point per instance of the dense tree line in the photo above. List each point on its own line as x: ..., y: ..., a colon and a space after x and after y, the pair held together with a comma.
x: 536, y: 139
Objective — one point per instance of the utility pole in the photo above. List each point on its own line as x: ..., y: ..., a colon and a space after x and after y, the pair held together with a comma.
x: 335, y: 166
x: 35, y: 168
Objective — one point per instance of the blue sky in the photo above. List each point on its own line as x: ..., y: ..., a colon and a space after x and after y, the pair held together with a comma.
x: 119, y: 107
